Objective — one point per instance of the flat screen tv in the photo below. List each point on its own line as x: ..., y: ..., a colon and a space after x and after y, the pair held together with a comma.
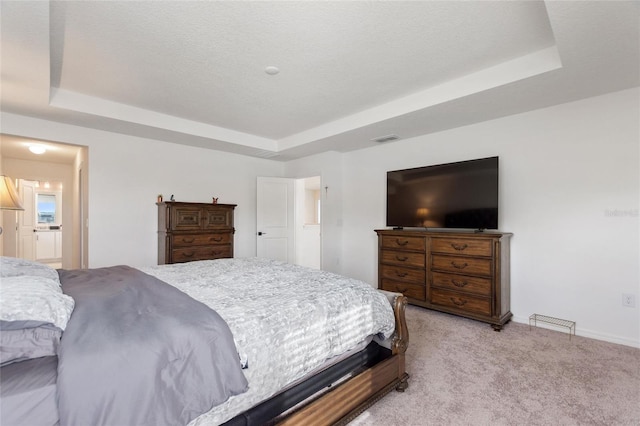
x: 462, y: 195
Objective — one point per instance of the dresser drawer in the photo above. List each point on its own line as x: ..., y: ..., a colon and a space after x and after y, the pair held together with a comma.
x: 195, y: 216
x: 186, y: 218
x: 218, y: 218
x: 395, y: 257
x: 188, y: 240
x: 188, y: 254
x: 475, y: 285
x: 399, y: 273
x: 463, y: 246
x: 456, y: 300
x: 462, y: 265
x: 404, y: 243
x: 415, y: 291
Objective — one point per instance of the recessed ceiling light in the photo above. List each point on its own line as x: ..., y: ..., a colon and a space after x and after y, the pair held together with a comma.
x: 271, y: 70
x: 38, y: 149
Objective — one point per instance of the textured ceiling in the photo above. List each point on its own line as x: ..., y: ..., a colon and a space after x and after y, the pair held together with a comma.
x: 205, y: 61
x: 193, y: 72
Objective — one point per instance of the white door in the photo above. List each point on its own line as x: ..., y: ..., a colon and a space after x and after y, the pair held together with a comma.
x: 276, y: 219
x: 27, y: 221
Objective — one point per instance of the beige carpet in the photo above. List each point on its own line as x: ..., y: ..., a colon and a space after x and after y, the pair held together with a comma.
x: 464, y: 373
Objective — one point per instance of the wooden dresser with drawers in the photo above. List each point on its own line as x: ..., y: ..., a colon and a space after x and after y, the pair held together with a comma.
x: 194, y: 231
x: 461, y: 273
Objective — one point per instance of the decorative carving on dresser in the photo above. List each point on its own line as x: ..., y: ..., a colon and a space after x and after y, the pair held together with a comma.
x: 461, y: 273
x: 194, y: 231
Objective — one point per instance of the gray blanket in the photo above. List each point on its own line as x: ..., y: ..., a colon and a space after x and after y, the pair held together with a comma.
x: 137, y: 351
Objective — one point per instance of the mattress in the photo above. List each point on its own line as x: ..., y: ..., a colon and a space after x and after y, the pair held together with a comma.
x: 28, y: 393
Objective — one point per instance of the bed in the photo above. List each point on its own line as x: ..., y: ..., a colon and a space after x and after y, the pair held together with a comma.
x: 227, y: 341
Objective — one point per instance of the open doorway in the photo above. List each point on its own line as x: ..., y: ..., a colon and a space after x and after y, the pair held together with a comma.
x: 50, y: 229
x: 308, y: 217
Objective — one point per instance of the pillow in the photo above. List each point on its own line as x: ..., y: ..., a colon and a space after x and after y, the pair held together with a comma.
x: 34, y: 298
x: 14, y: 267
x: 33, y: 314
x: 20, y: 340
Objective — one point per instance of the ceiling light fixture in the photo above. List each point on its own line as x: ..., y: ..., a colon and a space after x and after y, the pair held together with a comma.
x: 38, y: 149
x: 271, y: 70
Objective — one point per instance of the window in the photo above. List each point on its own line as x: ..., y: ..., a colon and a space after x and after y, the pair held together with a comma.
x: 46, y: 208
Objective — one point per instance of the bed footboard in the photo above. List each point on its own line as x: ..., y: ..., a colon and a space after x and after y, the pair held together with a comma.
x: 350, y: 398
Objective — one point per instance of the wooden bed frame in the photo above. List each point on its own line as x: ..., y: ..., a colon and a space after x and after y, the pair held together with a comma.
x: 344, y: 402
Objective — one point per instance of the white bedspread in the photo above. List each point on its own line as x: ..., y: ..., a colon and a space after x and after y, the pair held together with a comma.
x: 286, y: 319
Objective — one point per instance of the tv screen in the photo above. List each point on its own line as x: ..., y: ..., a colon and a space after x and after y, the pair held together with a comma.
x: 460, y: 195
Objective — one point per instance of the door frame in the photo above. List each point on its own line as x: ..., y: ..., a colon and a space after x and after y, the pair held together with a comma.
x: 293, y: 209
x: 39, y: 171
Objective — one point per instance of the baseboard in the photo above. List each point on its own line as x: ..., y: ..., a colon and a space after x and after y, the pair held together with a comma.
x: 584, y: 333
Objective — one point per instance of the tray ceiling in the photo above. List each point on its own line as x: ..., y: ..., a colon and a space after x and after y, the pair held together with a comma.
x: 194, y: 72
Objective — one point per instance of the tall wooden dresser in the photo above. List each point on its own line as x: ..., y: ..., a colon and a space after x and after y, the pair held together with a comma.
x: 194, y: 231
x: 457, y: 272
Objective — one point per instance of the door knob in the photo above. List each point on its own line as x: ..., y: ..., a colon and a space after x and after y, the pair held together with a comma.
x: 261, y: 233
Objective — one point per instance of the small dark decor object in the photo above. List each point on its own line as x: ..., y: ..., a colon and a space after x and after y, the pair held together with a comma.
x: 171, y: 199
x: 215, y: 200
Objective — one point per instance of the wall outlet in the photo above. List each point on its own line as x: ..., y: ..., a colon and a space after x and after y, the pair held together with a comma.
x: 629, y: 300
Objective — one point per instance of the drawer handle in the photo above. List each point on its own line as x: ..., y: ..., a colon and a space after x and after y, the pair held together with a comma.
x: 459, y: 247
x: 459, y: 283
x: 189, y: 254
x: 458, y: 301
x: 401, y: 290
x: 184, y: 240
x: 402, y: 243
x: 402, y: 259
x: 401, y: 274
x: 216, y: 239
x: 459, y: 265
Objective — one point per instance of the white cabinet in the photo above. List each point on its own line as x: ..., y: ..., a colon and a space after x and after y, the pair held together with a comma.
x: 48, y: 245
x: 45, y: 245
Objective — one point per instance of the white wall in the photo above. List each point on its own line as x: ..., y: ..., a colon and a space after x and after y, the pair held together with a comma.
x: 127, y: 173
x: 563, y: 170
